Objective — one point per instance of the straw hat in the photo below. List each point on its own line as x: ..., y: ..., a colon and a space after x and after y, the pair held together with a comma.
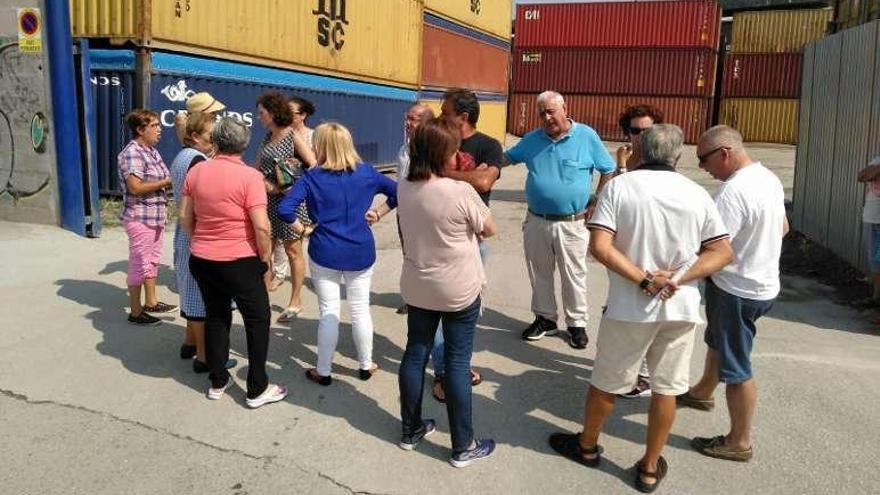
x: 203, y: 102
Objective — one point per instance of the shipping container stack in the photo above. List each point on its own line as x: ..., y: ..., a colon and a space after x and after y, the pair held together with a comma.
x: 328, y: 51
x: 851, y: 13
x: 762, y: 73
x: 604, y: 57
x: 466, y: 44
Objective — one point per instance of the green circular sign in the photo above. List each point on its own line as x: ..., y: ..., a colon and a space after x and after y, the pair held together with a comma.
x: 39, y: 127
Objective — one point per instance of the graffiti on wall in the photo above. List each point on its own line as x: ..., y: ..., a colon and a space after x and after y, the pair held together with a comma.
x: 22, y: 173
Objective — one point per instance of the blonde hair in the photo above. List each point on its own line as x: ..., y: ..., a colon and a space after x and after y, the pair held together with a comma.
x: 335, y: 148
x: 196, y: 123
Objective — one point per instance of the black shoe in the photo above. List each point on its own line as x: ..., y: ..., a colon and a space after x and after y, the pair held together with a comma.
x: 539, y: 328
x: 144, y: 319
x: 160, y: 307
x: 642, y: 389
x: 409, y: 442
x: 578, y: 337
x: 403, y: 310
x: 187, y: 351
x: 200, y: 367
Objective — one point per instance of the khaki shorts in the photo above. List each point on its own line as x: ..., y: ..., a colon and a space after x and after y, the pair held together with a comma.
x: 621, y: 346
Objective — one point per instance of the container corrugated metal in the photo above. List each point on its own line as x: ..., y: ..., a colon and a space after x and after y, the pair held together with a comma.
x: 778, y: 31
x: 483, y: 68
x: 770, y: 75
x: 601, y: 113
x: 493, y: 115
x: 801, y: 169
x: 851, y: 147
x: 337, y: 37
x: 688, y: 23
x: 373, y: 113
x: 490, y: 16
x: 672, y: 72
x: 852, y: 13
x: 765, y: 120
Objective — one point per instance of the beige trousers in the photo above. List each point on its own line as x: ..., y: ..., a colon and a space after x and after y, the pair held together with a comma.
x: 549, y: 245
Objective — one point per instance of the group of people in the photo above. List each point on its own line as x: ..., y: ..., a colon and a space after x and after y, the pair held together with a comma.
x: 658, y: 234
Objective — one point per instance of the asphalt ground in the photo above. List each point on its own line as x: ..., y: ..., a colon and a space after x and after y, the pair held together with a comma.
x: 92, y: 405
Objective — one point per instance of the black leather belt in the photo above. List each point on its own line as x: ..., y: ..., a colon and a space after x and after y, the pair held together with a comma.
x: 560, y: 218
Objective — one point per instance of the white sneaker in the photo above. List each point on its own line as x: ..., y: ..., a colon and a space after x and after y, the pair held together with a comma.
x: 273, y: 393
x: 217, y: 393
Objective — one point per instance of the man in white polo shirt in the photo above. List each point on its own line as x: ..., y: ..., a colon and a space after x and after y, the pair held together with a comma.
x: 658, y: 233
x: 752, y: 204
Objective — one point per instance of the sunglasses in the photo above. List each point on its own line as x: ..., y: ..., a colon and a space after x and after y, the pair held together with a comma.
x: 705, y: 156
x: 635, y: 131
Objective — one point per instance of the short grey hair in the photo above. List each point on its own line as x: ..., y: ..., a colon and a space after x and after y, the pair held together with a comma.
x: 550, y: 96
x: 231, y: 136
x: 662, y: 143
x: 723, y: 136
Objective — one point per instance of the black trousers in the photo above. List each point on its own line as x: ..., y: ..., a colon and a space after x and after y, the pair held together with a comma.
x: 221, y: 282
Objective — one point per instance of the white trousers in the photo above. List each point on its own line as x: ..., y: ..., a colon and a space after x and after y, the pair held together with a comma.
x: 328, y: 285
x: 549, y: 245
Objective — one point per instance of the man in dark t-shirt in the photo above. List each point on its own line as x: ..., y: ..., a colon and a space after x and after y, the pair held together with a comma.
x: 462, y: 109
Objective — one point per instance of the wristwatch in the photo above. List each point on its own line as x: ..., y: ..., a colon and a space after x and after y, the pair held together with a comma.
x: 647, y: 281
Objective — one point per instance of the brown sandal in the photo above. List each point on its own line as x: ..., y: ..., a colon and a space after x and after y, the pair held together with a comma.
x: 439, y: 386
x: 659, y: 474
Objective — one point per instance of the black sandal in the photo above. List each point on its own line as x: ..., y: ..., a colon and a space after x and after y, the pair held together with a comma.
x: 312, y: 374
x: 438, y: 380
x: 569, y: 445
x: 662, y: 469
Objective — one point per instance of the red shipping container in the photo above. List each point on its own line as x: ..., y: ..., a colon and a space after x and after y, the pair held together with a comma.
x: 444, y: 65
x: 768, y: 75
x: 684, y: 23
x: 601, y: 113
x: 670, y: 72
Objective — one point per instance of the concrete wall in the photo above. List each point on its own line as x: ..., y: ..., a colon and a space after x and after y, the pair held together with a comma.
x: 28, y: 183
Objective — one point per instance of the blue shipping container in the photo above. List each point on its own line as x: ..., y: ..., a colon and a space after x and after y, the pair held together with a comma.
x: 373, y: 113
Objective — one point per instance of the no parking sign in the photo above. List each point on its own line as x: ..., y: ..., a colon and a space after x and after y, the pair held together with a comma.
x: 30, y: 31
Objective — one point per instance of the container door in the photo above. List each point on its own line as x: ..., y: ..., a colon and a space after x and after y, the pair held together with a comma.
x: 86, y: 119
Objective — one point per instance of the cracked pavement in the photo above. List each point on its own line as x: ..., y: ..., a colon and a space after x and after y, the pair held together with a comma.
x: 91, y: 405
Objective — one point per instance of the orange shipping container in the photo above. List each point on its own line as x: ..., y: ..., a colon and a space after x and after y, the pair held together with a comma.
x: 453, y: 59
x: 601, y: 113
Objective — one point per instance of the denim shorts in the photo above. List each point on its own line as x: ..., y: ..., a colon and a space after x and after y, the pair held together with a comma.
x: 731, y: 331
x: 871, y: 237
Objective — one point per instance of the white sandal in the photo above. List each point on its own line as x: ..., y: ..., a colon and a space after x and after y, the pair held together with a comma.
x: 273, y: 393
x: 289, y: 314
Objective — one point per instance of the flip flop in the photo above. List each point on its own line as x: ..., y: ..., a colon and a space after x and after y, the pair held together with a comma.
x: 438, y: 381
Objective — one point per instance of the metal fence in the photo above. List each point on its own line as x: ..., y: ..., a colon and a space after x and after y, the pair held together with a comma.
x: 839, y: 133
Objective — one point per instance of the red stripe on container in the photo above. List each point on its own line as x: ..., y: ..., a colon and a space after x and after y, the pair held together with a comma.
x: 453, y: 60
x: 685, y: 23
x: 602, y: 113
x: 670, y: 72
x: 769, y: 75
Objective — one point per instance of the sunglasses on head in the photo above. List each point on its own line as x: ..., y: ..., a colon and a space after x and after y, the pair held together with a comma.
x: 705, y: 156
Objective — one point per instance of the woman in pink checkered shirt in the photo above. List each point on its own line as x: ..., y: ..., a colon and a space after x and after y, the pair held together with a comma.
x: 145, y: 200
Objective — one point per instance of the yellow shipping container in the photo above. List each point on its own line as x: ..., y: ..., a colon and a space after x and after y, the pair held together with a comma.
x: 490, y: 16
x: 777, y: 31
x: 493, y: 117
x: 372, y: 40
x: 766, y: 120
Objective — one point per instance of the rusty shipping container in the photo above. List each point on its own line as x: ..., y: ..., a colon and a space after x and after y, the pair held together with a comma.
x: 601, y: 113
x: 672, y: 72
x: 683, y: 24
x: 778, y: 31
x: 764, y: 120
x: 489, y: 16
x: 454, y: 56
x: 373, y: 41
x: 493, y: 112
x: 770, y: 75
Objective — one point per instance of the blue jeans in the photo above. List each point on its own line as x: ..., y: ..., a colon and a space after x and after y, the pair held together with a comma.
x: 437, y: 351
x: 458, y: 330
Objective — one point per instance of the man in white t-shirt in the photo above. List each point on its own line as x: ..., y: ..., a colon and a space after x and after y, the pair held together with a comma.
x: 658, y: 233
x: 751, y: 201
x: 871, y: 228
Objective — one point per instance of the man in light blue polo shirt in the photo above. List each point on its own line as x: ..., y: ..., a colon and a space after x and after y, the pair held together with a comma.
x: 561, y: 157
